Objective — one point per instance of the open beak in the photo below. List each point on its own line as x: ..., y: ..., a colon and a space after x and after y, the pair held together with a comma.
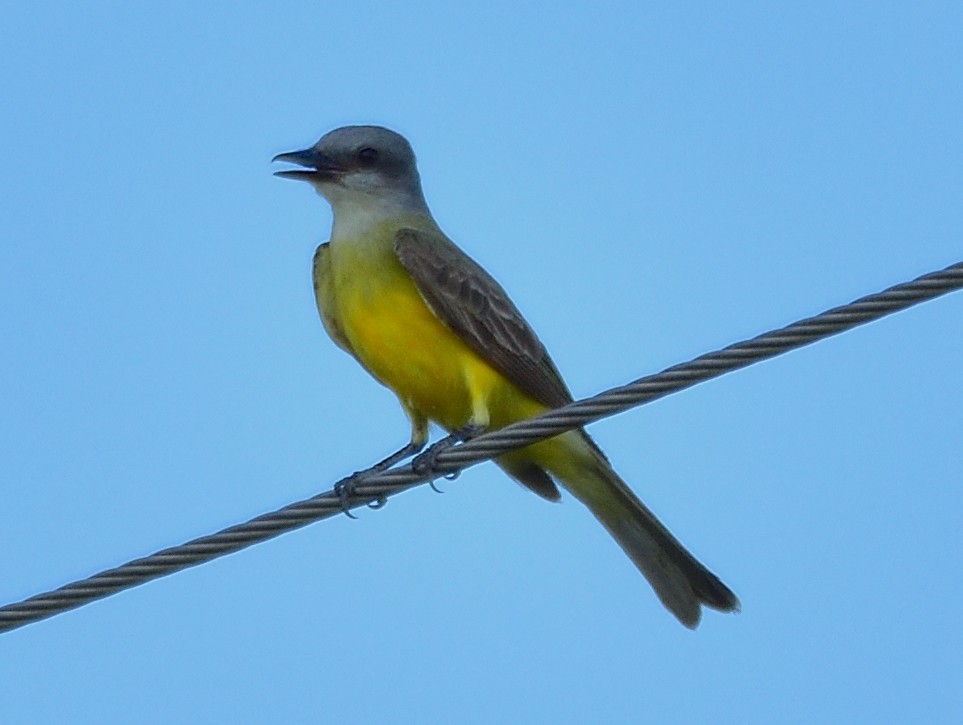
x: 317, y: 166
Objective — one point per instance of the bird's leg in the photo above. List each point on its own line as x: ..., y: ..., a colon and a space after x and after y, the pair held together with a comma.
x: 410, y: 449
x: 425, y: 462
x: 345, y: 487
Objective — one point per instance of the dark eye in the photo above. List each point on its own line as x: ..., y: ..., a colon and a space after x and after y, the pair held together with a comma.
x: 367, y: 155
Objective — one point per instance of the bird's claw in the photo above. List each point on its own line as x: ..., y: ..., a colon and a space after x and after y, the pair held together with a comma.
x: 425, y: 462
x: 344, y: 489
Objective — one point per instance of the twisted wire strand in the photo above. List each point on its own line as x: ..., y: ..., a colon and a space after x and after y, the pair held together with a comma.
x: 375, y: 488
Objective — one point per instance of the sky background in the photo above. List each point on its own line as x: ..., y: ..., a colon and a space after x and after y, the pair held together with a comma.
x: 650, y: 182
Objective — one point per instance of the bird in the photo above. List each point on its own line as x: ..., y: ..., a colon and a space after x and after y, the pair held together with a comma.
x: 429, y: 323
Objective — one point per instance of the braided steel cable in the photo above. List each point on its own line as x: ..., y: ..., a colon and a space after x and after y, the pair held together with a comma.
x: 375, y: 488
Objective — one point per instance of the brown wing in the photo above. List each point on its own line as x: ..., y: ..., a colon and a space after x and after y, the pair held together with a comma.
x: 467, y: 299
x: 324, y: 296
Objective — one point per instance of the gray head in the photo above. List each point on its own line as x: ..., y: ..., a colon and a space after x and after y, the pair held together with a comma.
x: 354, y: 162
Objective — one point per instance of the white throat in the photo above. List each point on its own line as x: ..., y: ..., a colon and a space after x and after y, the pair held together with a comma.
x: 356, y: 214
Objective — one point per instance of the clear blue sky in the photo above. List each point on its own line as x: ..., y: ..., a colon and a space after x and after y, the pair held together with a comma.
x: 649, y: 181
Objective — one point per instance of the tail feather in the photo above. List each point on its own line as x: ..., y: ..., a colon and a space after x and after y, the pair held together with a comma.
x: 682, y: 583
x: 679, y: 580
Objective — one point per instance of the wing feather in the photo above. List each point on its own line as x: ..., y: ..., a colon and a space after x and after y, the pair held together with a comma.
x: 324, y: 297
x: 467, y: 299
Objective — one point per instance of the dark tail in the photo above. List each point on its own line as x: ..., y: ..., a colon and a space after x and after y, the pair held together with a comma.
x: 680, y: 581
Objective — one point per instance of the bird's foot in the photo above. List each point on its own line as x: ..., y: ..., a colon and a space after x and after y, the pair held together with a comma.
x: 425, y: 462
x: 345, y: 488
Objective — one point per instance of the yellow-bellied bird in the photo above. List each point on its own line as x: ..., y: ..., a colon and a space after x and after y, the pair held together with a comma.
x: 429, y: 323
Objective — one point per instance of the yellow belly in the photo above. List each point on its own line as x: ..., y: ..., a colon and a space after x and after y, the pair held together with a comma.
x: 407, y: 348
x: 400, y: 341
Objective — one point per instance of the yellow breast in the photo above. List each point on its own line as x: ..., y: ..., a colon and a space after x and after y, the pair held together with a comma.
x: 401, y: 341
